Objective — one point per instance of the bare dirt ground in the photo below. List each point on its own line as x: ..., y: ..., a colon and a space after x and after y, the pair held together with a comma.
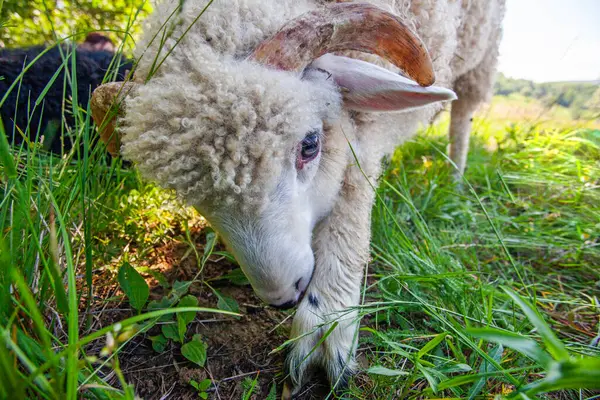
x: 237, y: 348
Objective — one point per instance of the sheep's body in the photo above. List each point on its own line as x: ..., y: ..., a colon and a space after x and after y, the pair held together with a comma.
x: 19, y: 111
x: 220, y: 129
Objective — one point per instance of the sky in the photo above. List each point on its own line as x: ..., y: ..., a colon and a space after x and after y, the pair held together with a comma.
x: 551, y: 40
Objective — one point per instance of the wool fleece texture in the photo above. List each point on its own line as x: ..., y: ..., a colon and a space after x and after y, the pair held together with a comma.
x: 226, y: 133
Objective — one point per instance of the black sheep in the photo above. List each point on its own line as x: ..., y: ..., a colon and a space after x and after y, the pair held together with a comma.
x: 17, y: 111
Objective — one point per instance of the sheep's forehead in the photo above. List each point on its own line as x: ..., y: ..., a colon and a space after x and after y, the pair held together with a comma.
x: 225, y: 140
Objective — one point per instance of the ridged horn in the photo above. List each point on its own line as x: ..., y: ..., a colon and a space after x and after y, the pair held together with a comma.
x: 347, y: 26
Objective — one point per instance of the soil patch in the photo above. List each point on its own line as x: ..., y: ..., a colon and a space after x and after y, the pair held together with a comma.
x: 239, y: 349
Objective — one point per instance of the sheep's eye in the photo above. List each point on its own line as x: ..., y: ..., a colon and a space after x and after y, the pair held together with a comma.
x: 311, y: 145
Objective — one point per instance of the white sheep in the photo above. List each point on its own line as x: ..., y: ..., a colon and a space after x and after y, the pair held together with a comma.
x: 255, y: 116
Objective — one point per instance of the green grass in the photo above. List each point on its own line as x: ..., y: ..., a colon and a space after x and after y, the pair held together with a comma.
x: 456, y: 275
x: 526, y: 217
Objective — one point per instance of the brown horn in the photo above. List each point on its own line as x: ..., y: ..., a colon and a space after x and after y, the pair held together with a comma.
x: 347, y: 26
x: 106, y: 105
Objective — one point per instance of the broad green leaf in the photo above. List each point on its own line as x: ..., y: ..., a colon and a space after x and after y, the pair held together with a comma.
x: 515, y: 341
x: 134, y: 286
x: 180, y: 288
x: 236, y: 277
x: 209, y: 246
x: 195, y: 350
x: 181, y: 328
x: 427, y: 373
x: 432, y: 344
x: 227, y: 255
x: 201, y: 387
x: 205, y: 384
x: 226, y: 303
x: 187, y: 301
x: 170, y: 331
x: 159, y: 276
x: 183, y: 319
x: 162, y: 304
x: 159, y: 343
x: 381, y: 370
x: 555, y: 346
x: 457, y: 368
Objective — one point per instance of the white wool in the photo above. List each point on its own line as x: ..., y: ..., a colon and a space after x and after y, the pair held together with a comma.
x: 220, y: 130
x: 208, y: 121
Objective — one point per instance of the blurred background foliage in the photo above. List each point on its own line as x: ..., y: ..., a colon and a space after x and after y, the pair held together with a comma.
x: 34, y: 22
x: 582, y: 99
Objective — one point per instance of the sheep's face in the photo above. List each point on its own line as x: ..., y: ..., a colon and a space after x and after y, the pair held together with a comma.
x: 246, y: 141
x: 271, y: 239
x: 244, y: 147
x: 273, y: 245
x: 253, y: 149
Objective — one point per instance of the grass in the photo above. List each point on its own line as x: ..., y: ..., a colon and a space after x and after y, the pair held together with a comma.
x: 527, y: 217
x: 489, y: 288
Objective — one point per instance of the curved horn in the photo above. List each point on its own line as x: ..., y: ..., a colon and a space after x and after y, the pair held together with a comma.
x: 104, y: 98
x: 347, y: 26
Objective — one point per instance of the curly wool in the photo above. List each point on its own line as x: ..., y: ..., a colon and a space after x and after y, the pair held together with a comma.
x: 218, y: 129
x: 220, y: 133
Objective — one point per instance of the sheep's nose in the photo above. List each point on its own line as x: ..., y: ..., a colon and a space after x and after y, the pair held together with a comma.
x: 285, y: 306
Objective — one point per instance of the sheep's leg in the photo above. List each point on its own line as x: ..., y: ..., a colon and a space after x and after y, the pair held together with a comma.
x: 461, y: 117
x: 341, y: 248
x: 471, y: 88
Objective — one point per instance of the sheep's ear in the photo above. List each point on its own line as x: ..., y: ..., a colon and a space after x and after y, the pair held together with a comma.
x: 367, y: 87
x: 106, y: 105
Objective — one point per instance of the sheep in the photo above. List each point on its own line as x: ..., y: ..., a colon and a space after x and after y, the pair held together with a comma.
x: 272, y: 119
x: 20, y: 115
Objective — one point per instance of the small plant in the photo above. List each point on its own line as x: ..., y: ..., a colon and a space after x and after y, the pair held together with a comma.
x: 201, y: 387
x: 249, y: 384
x: 134, y: 286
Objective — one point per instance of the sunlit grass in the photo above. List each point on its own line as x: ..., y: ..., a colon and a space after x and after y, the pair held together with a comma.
x: 528, y: 218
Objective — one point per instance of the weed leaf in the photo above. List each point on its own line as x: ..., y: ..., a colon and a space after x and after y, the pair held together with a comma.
x: 195, y: 350
x: 180, y: 288
x: 161, y: 304
x: 236, y: 277
x: 134, y: 286
x: 583, y: 373
x: 381, y: 370
x: 555, y: 346
x: 171, y: 332
x: 159, y: 343
x: 515, y: 341
x: 226, y: 303
x: 432, y: 344
x: 188, y: 301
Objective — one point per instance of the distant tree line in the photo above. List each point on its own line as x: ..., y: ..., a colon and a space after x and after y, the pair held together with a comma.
x: 581, y: 98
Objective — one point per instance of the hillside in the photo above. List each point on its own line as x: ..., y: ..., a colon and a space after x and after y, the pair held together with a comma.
x: 582, y: 99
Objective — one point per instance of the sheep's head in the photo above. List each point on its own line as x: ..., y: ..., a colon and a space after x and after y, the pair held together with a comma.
x: 249, y: 142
